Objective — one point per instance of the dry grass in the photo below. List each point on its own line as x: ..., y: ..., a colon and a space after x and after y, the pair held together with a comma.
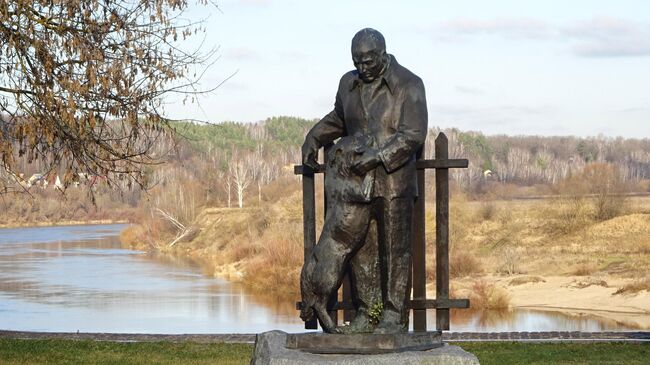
x: 585, y: 283
x: 485, y: 295
x: 463, y: 263
x: 262, y: 246
x: 584, y: 269
x: 133, y: 237
x: 276, y: 266
x: 509, y: 261
x: 526, y: 280
x: 566, y: 215
x: 488, y: 210
x: 635, y: 287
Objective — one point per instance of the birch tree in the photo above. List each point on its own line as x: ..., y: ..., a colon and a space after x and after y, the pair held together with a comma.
x: 241, y: 176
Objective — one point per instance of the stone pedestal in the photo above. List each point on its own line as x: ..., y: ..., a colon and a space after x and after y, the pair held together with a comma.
x: 271, y: 349
x: 372, y: 344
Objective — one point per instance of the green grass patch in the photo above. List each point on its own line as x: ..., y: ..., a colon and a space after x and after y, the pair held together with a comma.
x: 503, y: 353
x: 28, y: 352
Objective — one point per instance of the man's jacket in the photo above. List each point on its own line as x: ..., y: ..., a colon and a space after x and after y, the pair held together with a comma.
x: 395, y: 118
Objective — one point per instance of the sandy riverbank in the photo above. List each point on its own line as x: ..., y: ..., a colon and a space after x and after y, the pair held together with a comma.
x: 573, y: 295
x: 578, y: 296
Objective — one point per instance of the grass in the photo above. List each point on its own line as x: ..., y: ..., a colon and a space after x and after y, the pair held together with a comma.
x: 27, y: 352
x: 635, y: 287
x: 32, y: 352
x: 525, y: 280
x: 503, y: 353
x: 262, y: 247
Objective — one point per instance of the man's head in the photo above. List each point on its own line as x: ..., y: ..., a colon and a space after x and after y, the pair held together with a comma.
x: 369, y: 54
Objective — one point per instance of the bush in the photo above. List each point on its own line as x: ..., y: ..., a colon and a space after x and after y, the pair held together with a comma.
x: 463, y: 263
x: 635, y: 287
x: 275, y: 270
x: 509, y: 261
x: 566, y: 215
x: 488, y: 210
x: 602, y: 185
x: 584, y: 269
x: 488, y: 296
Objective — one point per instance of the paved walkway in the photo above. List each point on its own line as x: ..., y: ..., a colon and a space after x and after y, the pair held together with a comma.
x: 640, y: 337
x: 548, y: 336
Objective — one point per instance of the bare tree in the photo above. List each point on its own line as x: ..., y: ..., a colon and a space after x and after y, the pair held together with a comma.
x: 240, y: 172
x: 257, y: 165
x: 82, y: 81
x: 226, y: 184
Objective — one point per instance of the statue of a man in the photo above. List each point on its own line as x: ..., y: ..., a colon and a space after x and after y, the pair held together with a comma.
x: 385, y: 102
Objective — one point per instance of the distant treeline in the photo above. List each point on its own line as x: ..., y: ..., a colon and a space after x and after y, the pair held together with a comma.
x: 229, y: 163
x: 529, y: 160
x: 525, y: 160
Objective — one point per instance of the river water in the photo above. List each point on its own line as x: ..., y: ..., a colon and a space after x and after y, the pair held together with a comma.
x: 78, y: 278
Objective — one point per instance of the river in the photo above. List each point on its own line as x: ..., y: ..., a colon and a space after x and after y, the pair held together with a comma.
x: 78, y: 278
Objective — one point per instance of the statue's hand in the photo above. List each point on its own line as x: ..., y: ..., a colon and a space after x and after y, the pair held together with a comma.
x: 366, y: 162
x: 310, y: 153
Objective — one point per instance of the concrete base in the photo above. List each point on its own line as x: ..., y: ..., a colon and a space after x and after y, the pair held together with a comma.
x: 270, y: 350
x: 364, y: 343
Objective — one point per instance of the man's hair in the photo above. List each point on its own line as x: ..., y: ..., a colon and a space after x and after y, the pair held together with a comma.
x: 372, y: 35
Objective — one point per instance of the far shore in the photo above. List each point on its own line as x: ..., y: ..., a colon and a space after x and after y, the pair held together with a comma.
x: 573, y: 295
x: 563, y: 294
x: 63, y: 223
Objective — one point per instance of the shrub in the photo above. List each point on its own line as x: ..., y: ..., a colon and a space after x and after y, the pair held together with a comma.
x: 485, y: 295
x: 634, y: 287
x: 463, y: 263
x: 509, y: 261
x: 584, y: 269
x: 566, y: 215
x: 603, y: 185
x: 276, y: 268
x: 487, y: 210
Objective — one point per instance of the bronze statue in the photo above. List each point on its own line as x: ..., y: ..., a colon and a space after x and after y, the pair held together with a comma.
x: 381, y: 112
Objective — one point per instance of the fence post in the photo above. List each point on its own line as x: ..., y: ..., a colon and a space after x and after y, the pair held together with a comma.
x: 418, y: 250
x: 309, y: 223
x: 442, y: 232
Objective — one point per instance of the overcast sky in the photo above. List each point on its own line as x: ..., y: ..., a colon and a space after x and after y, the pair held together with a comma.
x: 579, y: 67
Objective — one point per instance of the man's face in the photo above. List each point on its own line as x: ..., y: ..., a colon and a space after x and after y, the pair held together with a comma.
x: 368, y: 60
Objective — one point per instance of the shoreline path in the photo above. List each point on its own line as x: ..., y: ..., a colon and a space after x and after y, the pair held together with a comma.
x: 554, y: 336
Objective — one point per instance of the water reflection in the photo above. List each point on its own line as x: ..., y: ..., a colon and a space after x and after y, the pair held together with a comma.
x: 82, y: 280
x: 79, y: 278
x: 524, y: 320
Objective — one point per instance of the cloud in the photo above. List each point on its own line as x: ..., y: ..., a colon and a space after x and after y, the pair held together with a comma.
x: 636, y: 109
x: 242, y: 54
x: 469, y: 90
x: 497, y: 119
x: 457, y: 110
x: 516, y: 28
x: 293, y: 54
x: 597, y: 37
x: 255, y: 2
x: 609, y: 37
